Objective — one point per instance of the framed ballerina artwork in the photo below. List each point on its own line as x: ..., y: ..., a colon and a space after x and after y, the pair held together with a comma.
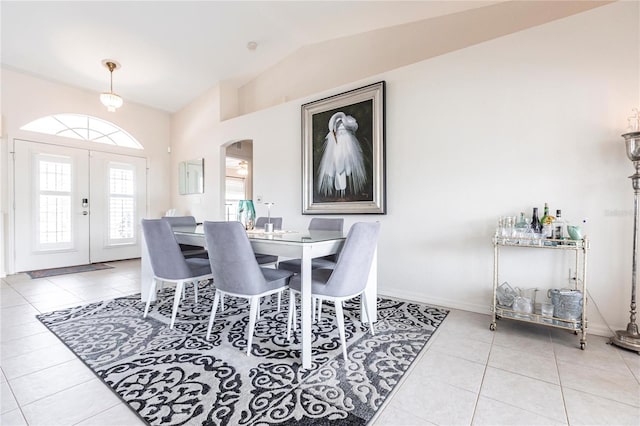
x: 343, y: 153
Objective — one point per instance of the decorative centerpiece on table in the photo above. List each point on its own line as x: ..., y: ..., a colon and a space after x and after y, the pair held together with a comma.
x: 247, y: 214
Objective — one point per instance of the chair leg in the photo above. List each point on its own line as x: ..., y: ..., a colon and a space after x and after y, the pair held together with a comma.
x: 152, y: 290
x: 216, y: 300
x: 313, y: 309
x: 366, y: 310
x: 253, y: 312
x: 195, y: 292
x: 222, y: 302
x: 319, y: 315
x: 279, y: 300
x: 293, y: 320
x: 292, y: 313
x: 176, y: 302
x: 340, y: 319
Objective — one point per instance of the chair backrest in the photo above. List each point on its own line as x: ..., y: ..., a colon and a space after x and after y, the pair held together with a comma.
x: 277, y: 222
x: 180, y: 220
x: 351, y: 272
x: 323, y: 224
x: 165, y: 255
x: 233, y: 262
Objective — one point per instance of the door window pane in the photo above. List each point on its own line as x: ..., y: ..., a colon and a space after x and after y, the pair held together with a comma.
x: 122, y: 206
x: 53, y: 200
x: 55, y: 176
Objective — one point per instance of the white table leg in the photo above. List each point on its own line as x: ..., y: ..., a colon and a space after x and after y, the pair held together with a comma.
x: 371, y: 292
x: 306, y: 310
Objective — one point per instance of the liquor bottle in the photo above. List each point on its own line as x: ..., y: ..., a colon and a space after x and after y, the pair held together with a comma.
x: 559, y: 227
x: 521, y: 224
x: 547, y: 222
x: 536, y: 225
x: 522, y: 229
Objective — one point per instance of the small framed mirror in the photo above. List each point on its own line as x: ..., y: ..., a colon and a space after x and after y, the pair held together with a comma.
x: 191, y: 176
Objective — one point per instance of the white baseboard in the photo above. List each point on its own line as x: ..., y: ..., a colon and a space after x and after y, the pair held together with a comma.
x: 596, y: 328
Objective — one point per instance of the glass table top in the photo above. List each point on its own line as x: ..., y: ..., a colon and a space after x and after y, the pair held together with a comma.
x: 277, y: 235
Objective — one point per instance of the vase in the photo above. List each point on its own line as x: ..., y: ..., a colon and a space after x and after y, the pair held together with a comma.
x: 247, y: 214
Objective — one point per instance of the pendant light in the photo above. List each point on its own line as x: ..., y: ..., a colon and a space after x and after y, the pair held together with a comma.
x: 110, y: 99
x: 243, y: 168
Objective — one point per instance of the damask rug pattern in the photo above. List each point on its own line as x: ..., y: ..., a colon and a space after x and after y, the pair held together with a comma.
x: 177, y: 377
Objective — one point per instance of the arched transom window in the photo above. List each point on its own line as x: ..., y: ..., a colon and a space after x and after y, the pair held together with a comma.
x: 83, y: 127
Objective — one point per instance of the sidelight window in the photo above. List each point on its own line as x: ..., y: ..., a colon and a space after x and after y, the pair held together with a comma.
x: 122, y: 206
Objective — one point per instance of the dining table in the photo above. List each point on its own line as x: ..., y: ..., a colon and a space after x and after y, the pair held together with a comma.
x: 305, y: 245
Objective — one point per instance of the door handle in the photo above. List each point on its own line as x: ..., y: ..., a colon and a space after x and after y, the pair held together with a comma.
x: 84, y: 213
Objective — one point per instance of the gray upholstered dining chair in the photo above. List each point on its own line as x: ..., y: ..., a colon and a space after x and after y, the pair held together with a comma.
x: 187, y: 249
x: 236, y: 271
x: 347, y: 280
x: 316, y: 224
x: 169, y: 264
x: 326, y: 262
x: 268, y: 259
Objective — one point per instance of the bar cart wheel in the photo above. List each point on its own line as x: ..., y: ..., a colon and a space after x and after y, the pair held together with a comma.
x: 583, y: 345
x: 492, y: 326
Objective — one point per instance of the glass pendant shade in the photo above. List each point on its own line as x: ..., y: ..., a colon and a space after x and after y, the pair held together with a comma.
x: 243, y: 168
x: 111, y: 101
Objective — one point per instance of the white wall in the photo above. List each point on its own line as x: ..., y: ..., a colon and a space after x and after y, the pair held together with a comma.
x: 321, y: 66
x: 482, y: 132
x: 25, y: 98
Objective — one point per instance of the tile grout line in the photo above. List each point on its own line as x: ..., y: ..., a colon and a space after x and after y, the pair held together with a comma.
x: 516, y: 373
x: 484, y: 374
x: 57, y: 392
x: 562, y: 387
x: 624, y: 359
x: 564, y: 399
x: 16, y: 400
x: 423, y: 352
x: 97, y: 414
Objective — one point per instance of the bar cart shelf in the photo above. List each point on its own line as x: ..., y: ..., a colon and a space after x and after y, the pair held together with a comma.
x: 580, y: 247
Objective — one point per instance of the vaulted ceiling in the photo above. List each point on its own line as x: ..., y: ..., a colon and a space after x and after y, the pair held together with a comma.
x: 171, y: 52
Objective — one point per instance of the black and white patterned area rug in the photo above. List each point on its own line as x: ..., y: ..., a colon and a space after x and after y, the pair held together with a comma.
x: 177, y: 377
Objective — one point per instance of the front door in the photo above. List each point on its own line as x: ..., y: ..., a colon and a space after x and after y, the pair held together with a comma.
x: 75, y: 206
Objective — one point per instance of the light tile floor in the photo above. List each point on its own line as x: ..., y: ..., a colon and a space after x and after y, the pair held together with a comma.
x: 518, y: 375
